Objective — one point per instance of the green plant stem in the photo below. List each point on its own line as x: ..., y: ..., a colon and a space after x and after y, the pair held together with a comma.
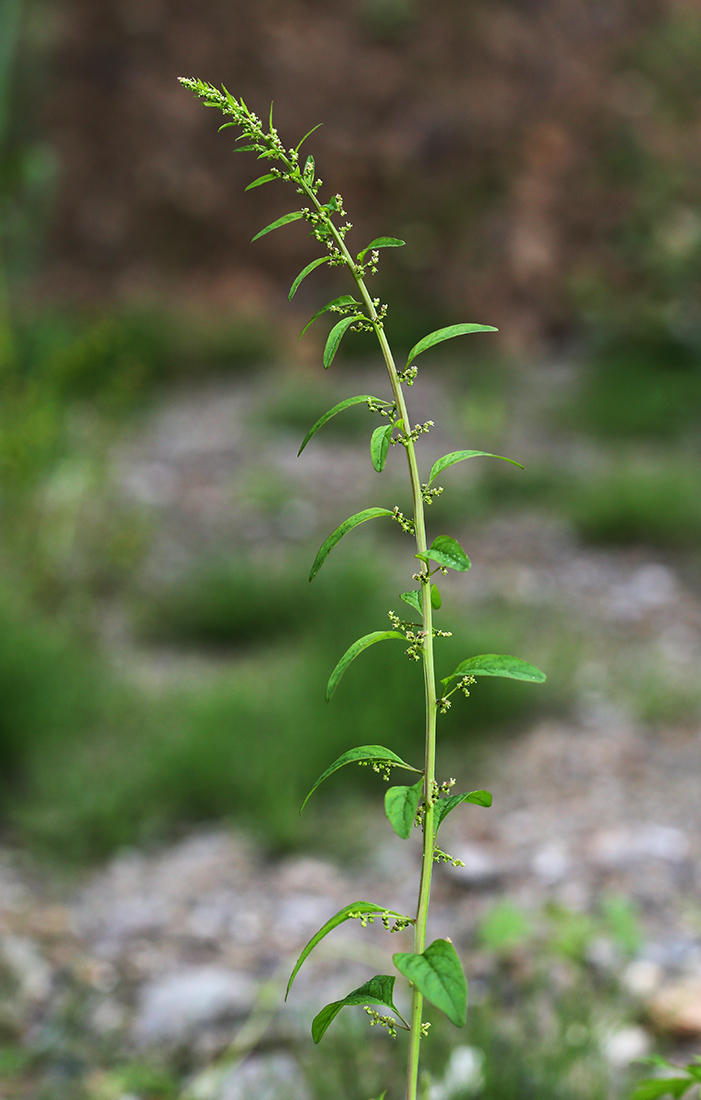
x: 428, y: 662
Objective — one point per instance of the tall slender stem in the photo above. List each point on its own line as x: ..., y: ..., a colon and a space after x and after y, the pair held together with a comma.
x: 269, y: 145
x: 428, y: 666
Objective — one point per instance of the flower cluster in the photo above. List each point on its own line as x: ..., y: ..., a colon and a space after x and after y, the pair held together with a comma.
x: 427, y: 494
x: 407, y: 525
x: 384, y: 1021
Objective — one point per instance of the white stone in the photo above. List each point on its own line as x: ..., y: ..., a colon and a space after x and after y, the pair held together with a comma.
x: 479, y: 868
x: 175, y: 1007
x: 264, y: 1077
x: 623, y: 846
x: 32, y: 973
x: 464, y: 1075
x: 626, y: 1045
x: 642, y: 977
x: 551, y: 863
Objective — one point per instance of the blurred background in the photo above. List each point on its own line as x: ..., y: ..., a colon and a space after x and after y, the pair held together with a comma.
x: 162, y: 656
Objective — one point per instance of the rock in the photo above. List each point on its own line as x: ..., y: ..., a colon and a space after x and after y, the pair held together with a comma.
x: 480, y: 868
x: 676, y: 1008
x: 31, y: 972
x: 174, y: 1008
x: 642, y: 977
x: 621, y: 847
x: 260, y: 1077
x: 464, y: 1075
x: 626, y: 1045
x: 551, y: 862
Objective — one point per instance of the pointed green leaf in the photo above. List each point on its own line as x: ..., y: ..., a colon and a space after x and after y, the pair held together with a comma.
x: 460, y: 456
x: 353, y: 651
x: 654, y: 1088
x: 335, y: 336
x: 244, y: 148
x: 378, y: 991
x: 297, y: 148
x: 343, y: 529
x: 343, y: 301
x: 309, y: 169
x: 303, y: 274
x: 293, y: 217
x: 401, y: 804
x: 497, y: 664
x: 230, y: 99
x: 261, y: 179
x: 379, y: 446
x: 376, y: 753
x: 445, y: 551
x: 349, y: 912
x: 413, y: 599
x: 446, y: 334
x: 381, y: 242
x: 443, y: 806
x: 362, y: 398
x: 438, y: 974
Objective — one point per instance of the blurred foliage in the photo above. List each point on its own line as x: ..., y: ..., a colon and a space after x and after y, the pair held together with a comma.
x: 634, y: 501
x: 642, y: 381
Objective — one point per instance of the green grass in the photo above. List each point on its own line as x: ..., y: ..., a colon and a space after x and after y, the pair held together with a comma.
x: 638, y: 501
x: 92, y: 763
x: 640, y: 384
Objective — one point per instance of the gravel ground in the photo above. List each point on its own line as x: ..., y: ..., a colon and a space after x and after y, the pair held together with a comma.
x: 190, y: 945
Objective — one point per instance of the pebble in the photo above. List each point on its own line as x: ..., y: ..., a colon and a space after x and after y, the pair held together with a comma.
x: 479, y: 867
x: 628, y: 844
x: 676, y: 1009
x: 176, y: 1006
x: 625, y: 1045
x: 265, y: 1077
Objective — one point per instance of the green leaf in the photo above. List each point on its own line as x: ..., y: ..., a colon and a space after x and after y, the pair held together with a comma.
x: 260, y: 180
x: 359, y: 400
x: 413, y: 599
x: 378, y: 991
x: 297, y: 148
x: 243, y: 148
x: 446, y: 334
x: 401, y: 804
x: 656, y: 1087
x: 497, y: 664
x: 379, y: 446
x: 303, y: 274
x: 343, y: 529
x: 365, y: 907
x: 377, y: 753
x: 446, y: 552
x: 309, y: 168
x: 344, y: 300
x: 460, y: 456
x: 438, y: 974
x: 443, y: 806
x: 353, y: 651
x: 381, y: 242
x: 293, y: 217
x: 335, y: 337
